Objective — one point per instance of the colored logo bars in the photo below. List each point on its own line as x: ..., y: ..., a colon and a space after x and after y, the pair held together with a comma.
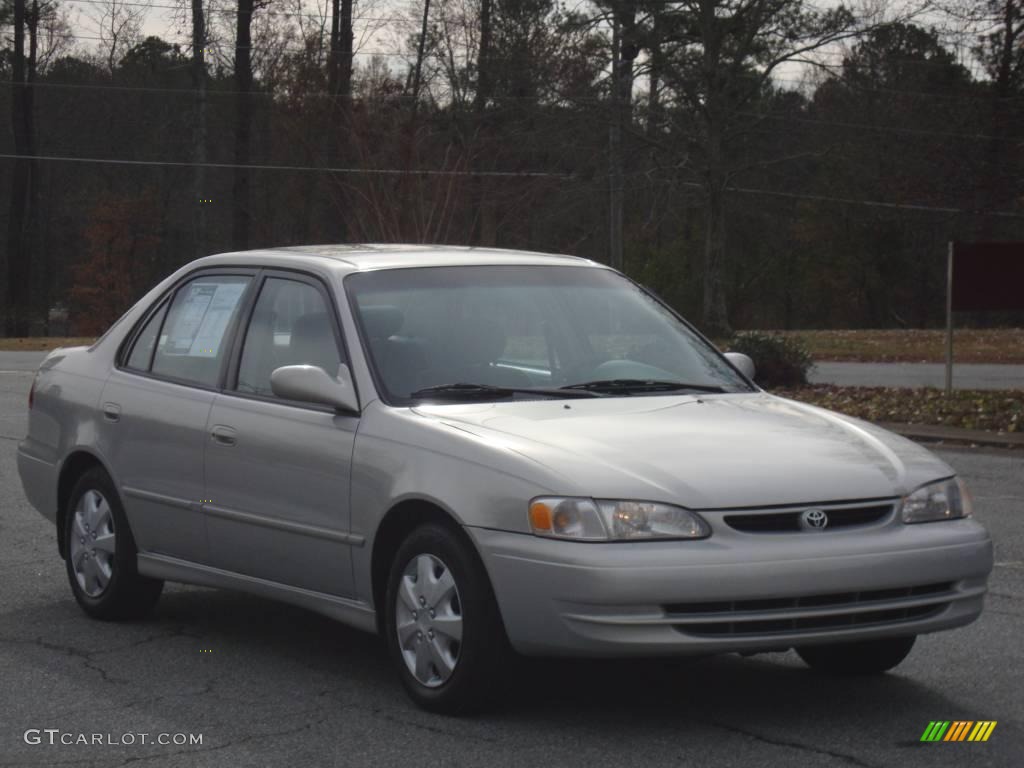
x: 958, y: 730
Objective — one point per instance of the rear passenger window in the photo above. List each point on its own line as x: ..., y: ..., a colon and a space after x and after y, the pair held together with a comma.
x: 191, y: 344
x: 142, y: 352
x: 290, y: 325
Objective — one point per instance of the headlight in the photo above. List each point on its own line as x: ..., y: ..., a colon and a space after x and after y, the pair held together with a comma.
x: 944, y: 500
x: 603, y: 520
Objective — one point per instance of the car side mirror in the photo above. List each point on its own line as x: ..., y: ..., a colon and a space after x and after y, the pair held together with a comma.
x: 743, y: 362
x: 312, y: 384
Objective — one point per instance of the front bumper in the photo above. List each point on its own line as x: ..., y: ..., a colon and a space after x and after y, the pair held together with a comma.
x: 735, y: 592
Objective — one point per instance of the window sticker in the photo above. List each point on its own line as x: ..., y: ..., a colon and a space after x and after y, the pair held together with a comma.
x: 202, y: 319
x: 215, y: 320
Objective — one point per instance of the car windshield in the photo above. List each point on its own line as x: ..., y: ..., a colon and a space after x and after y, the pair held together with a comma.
x: 509, y: 329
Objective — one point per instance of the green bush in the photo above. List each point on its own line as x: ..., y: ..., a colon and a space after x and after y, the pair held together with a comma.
x: 780, y: 361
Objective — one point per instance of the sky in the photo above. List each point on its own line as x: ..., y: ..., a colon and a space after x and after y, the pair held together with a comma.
x: 382, y: 26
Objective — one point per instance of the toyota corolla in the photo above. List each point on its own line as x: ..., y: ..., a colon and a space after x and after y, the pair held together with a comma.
x: 476, y: 453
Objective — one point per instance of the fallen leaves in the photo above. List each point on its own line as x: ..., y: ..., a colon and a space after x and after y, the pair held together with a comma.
x: 970, y: 345
x: 989, y: 410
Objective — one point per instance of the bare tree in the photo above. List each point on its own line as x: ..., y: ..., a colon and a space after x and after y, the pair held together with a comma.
x: 118, y: 24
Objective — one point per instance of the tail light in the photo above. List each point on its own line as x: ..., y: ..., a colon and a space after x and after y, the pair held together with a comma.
x: 31, y: 393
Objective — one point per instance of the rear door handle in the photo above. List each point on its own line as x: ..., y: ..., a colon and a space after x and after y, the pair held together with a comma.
x: 223, y: 435
x: 111, y: 411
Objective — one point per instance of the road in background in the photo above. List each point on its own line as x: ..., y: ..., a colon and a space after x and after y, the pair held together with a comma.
x: 966, y: 376
x: 20, y: 361
x: 268, y: 684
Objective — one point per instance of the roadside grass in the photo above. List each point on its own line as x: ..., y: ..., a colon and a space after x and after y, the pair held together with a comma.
x: 989, y: 410
x: 971, y: 345
x: 42, y: 343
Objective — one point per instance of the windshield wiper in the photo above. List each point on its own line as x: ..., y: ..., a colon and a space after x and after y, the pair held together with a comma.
x: 464, y: 391
x: 629, y: 386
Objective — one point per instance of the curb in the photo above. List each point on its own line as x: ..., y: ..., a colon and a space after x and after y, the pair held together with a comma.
x: 938, y: 434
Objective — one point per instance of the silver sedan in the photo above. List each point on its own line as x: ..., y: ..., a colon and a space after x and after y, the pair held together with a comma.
x: 478, y: 453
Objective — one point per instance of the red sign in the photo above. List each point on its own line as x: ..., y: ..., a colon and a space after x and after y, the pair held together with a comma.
x: 988, y: 276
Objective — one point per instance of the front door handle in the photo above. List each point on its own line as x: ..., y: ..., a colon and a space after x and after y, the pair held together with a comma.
x: 224, y: 435
x: 111, y: 411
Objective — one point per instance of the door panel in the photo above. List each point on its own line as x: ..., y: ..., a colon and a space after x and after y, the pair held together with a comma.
x: 277, y: 472
x: 279, y: 493
x: 155, y: 448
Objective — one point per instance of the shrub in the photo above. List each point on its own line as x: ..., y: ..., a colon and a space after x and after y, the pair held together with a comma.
x: 780, y: 361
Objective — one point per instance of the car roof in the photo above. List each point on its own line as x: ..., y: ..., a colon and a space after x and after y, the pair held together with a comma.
x: 371, y: 256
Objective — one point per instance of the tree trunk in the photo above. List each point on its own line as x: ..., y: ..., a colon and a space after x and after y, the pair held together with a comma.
x: 624, y: 51
x: 417, y: 75
x: 657, y: 68
x: 339, y: 118
x: 345, y: 67
x: 200, y: 193
x: 715, y: 314
x: 484, y: 218
x: 19, y: 235
x: 241, y: 214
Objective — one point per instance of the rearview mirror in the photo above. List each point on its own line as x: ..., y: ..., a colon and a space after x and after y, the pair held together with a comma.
x: 743, y: 362
x: 311, y: 384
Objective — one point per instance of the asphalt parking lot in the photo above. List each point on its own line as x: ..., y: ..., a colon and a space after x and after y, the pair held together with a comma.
x: 266, y: 684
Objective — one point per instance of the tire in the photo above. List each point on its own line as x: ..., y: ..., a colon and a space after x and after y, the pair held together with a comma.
x: 442, y: 674
x: 865, y: 657
x: 100, y: 558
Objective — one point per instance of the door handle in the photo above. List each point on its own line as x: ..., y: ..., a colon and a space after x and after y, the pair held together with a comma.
x: 224, y: 435
x: 111, y: 411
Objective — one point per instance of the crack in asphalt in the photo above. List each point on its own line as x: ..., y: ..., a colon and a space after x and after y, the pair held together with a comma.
x: 852, y: 759
x: 87, y: 657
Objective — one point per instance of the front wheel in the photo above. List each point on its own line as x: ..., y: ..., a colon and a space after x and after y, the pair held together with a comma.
x: 864, y: 657
x: 443, y: 628
x: 101, y: 553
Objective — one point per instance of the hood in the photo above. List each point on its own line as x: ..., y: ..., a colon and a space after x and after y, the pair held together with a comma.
x: 703, y: 452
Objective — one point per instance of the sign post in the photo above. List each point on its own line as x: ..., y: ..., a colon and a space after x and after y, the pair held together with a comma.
x: 949, y: 319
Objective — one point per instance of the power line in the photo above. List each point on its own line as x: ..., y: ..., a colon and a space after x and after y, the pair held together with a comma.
x: 889, y: 128
x: 514, y: 174
x: 871, y: 203
x: 296, y: 168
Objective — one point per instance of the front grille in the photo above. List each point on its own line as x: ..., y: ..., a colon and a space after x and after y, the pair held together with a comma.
x: 789, y: 520
x: 806, y: 613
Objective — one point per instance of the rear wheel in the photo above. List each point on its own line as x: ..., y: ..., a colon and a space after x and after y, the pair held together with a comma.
x: 101, y: 553
x: 864, y: 657
x: 443, y: 628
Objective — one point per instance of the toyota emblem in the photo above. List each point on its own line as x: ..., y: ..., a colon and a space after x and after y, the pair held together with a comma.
x: 814, y: 520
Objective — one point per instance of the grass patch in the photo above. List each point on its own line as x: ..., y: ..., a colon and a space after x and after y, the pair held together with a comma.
x: 971, y: 345
x: 989, y: 410
x: 42, y: 343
